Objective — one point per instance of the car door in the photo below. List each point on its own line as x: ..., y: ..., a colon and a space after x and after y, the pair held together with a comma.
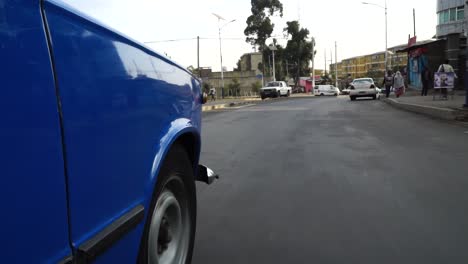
x: 34, y: 223
x: 119, y: 102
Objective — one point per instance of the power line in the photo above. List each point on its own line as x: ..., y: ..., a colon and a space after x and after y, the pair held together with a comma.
x: 208, y: 38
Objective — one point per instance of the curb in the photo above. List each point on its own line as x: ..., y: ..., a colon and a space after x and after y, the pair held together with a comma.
x: 208, y: 108
x: 436, y: 112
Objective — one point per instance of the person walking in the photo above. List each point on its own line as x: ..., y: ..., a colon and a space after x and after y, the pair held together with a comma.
x: 426, y: 80
x: 213, y: 94
x: 446, y: 67
x: 388, y: 82
x: 399, y: 84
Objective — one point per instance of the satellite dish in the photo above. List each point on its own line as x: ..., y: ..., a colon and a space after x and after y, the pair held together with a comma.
x: 218, y: 16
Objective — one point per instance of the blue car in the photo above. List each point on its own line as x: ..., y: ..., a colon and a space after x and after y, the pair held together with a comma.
x: 100, y: 143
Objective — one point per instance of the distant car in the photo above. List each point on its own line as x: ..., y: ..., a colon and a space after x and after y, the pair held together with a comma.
x: 322, y: 90
x: 275, y: 89
x: 363, y: 87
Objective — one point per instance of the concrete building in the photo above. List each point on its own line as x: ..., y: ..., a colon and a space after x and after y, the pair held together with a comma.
x: 451, y: 26
x: 250, y: 62
x: 371, y: 65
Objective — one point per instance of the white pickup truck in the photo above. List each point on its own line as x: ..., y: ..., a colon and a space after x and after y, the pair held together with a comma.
x: 275, y: 89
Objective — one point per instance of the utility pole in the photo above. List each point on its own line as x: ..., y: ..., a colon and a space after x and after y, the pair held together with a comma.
x: 336, y: 65
x: 313, y: 63
x: 414, y: 22
x: 325, y: 62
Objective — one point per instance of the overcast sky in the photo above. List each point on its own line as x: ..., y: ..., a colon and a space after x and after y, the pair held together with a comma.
x: 358, y: 29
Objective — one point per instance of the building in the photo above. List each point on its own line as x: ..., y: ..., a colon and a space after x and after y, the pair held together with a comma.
x: 251, y: 62
x: 371, y: 65
x: 451, y: 26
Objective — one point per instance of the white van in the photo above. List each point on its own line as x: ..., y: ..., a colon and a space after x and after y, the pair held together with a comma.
x: 322, y: 90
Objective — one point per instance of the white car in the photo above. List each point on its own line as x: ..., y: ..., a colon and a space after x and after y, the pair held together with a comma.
x: 322, y: 90
x: 275, y: 89
x: 363, y: 87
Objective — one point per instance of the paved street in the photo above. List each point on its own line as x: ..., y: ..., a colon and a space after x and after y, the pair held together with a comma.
x: 327, y: 180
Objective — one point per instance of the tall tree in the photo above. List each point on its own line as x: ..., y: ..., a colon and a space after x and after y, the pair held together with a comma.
x: 259, y: 26
x: 298, y: 49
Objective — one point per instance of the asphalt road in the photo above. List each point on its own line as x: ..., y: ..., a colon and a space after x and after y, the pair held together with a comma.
x: 327, y: 180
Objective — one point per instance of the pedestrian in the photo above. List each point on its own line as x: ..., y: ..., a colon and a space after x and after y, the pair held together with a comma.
x: 398, y: 84
x: 446, y: 67
x: 388, y: 82
x: 213, y: 94
x: 426, y: 80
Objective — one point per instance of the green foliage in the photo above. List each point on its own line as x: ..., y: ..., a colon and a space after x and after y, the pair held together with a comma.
x: 259, y: 26
x: 256, y: 86
x: 234, y: 87
x: 298, y: 49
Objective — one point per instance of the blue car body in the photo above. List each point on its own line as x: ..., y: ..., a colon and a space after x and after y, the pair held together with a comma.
x: 88, y: 116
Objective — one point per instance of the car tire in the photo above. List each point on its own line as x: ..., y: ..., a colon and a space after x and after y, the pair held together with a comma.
x: 279, y: 94
x: 289, y: 94
x: 353, y: 98
x: 171, y: 221
x: 374, y: 97
x: 263, y: 98
x: 322, y: 94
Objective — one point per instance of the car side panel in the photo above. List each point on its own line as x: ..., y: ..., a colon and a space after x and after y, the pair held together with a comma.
x: 123, y: 107
x: 33, y: 225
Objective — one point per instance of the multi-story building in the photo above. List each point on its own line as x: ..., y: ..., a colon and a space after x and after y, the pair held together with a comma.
x: 452, y: 27
x: 371, y: 65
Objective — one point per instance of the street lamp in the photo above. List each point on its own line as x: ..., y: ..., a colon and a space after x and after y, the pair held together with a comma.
x: 220, y: 48
x: 272, y: 47
x: 386, y: 34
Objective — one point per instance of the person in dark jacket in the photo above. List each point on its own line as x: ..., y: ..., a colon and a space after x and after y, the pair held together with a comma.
x: 388, y: 82
x: 426, y: 80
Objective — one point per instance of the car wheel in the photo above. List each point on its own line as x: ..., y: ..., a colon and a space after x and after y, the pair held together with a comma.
x: 374, y: 97
x: 353, y: 98
x: 289, y: 94
x: 279, y: 94
x: 321, y: 94
x: 263, y: 98
x: 336, y: 94
x: 170, y: 227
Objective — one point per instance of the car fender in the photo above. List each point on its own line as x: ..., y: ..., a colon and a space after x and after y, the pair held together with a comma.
x: 175, y: 131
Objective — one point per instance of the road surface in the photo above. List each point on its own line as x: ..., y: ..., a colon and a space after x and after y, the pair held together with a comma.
x: 327, y: 180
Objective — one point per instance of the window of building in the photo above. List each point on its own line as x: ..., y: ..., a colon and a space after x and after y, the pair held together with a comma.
x: 453, y: 14
x: 460, y: 13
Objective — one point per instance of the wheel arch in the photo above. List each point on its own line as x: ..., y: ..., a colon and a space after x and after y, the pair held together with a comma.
x: 181, y: 132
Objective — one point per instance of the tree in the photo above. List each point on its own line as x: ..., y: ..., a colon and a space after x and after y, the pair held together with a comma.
x: 256, y: 86
x: 298, y: 49
x: 259, y: 26
x: 234, y: 87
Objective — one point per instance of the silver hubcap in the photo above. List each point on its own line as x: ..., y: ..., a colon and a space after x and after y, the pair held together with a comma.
x: 169, y: 232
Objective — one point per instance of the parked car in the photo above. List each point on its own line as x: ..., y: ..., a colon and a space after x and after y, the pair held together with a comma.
x: 363, y: 87
x: 322, y: 90
x: 100, y: 143
x: 275, y: 89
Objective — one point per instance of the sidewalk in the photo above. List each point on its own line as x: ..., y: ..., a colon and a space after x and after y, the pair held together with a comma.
x: 451, y: 109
